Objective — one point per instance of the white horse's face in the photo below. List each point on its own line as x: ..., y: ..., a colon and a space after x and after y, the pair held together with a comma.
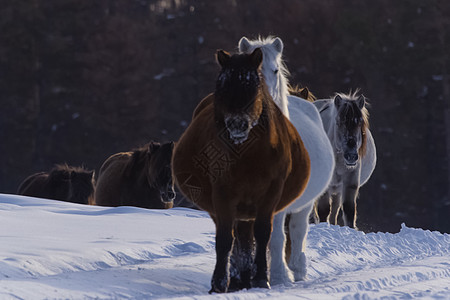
x: 271, y: 65
x: 271, y: 72
x: 348, y: 130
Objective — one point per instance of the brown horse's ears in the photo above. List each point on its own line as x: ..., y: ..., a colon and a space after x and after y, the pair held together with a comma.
x: 256, y: 57
x: 361, y: 101
x: 304, y: 93
x: 337, y: 100
x: 222, y: 57
x: 244, y: 45
x: 92, y: 173
x: 153, y: 146
x: 278, y: 45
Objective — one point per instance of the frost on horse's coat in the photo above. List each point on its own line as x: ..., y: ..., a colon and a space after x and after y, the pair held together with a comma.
x: 306, y: 119
x: 217, y: 164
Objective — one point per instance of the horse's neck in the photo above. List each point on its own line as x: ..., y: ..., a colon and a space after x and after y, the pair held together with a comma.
x: 281, y: 96
x: 328, y: 114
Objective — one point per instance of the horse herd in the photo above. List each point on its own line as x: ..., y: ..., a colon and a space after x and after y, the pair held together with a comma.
x: 262, y: 158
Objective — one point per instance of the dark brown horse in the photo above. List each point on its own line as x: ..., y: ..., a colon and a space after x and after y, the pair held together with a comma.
x: 63, y: 182
x: 240, y: 160
x: 139, y: 178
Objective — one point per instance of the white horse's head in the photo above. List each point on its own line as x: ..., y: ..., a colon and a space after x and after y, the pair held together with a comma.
x: 273, y: 68
x: 350, y: 127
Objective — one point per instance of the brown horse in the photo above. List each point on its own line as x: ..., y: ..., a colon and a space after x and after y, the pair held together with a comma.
x: 240, y: 160
x: 139, y: 178
x: 63, y: 182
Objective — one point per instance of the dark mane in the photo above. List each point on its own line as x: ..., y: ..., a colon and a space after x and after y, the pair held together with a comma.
x: 137, y: 161
x: 66, y: 169
x: 304, y: 93
x: 353, y: 116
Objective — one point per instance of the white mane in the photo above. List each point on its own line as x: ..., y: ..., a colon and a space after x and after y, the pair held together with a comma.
x: 273, y: 68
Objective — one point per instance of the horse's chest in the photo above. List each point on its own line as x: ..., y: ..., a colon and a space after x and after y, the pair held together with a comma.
x: 343, y: 175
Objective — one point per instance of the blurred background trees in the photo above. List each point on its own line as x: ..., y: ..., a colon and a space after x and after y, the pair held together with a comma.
x: 81, y: 80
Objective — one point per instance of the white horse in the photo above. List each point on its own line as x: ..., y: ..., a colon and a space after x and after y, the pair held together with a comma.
x: 306, y: 119
x: 346, y: 121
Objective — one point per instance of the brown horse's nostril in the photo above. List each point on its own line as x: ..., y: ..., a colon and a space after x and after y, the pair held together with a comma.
x: 171, y: 195
x: 237, y: 124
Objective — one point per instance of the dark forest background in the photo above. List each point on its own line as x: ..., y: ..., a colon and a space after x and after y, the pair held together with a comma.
x: 82, y: 79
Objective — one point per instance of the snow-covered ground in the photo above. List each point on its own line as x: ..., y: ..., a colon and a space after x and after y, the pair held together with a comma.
x: 57, y: 250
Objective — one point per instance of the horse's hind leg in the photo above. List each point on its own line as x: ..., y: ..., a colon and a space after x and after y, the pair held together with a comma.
x: 349, y: 205
x: 279, y: 271
x: 335, y: 207
x: 323, y: 207
x: 298, y: 230
x: 224, y: 244
x: 241, y: 260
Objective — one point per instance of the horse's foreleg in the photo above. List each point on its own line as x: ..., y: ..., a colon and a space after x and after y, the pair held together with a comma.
x: 241, y: 260
x: 298, y: 230
x: 262, y: 231
x: 335, y: 207
x: 224, y: 244
x: 279, y: 271
x: 349, y: 205
x: 323, y: 206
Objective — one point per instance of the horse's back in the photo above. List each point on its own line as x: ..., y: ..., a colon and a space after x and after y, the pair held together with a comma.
x: 205, y: 102
x: 369, y: 160
x: 107, y: 192
x: 117, y: 160
x: 33, y: 185
x: 306, y: 119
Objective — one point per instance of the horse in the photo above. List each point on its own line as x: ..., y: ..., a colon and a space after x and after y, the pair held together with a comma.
x: 241, y: 160
x: 141, y: 177
x: 346, y: 121
x: 63, y: 182
x: 306, y: 119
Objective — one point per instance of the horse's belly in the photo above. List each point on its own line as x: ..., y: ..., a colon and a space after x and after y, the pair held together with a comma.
x: 306, y: 119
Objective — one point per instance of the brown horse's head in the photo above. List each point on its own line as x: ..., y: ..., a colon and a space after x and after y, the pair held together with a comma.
x: 159, y: 169
x: 83, y: 186
x: 73, y: 184
x: 238, y: 104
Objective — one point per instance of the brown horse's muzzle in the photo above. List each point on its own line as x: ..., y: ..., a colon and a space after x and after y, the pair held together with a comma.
x: 238, y: 127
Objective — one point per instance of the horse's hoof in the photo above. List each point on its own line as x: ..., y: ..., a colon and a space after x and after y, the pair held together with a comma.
x: 283, y: 277
x: 216, y: 290
x: 234, y: 285
x: 262, y: 283
x: 219, y: 287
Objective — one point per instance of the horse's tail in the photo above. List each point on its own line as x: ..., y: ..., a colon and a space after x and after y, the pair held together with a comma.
x: 304, y: 93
